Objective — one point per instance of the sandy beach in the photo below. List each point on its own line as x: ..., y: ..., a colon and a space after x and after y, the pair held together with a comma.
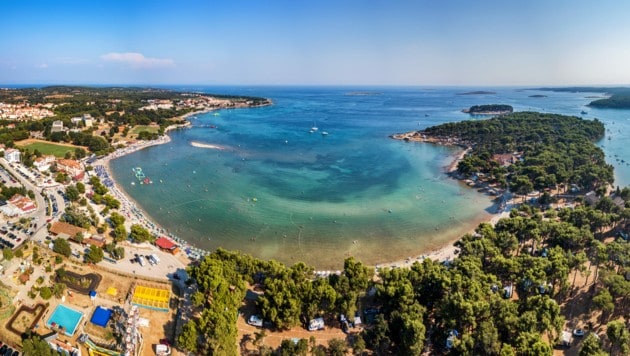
x: 135, y: 215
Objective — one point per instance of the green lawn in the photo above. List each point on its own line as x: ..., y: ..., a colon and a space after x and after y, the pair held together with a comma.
x: 150, y: 129
x: 49, y: 148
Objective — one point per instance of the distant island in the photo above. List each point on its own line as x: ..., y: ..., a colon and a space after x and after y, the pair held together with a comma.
x: 478, y: 92
x: 490, y: 109
x: 619, y: 96
x: 538, y: 96
x: 616, y: 101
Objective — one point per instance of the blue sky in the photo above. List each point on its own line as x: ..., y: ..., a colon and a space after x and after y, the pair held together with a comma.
x: 319, y: 42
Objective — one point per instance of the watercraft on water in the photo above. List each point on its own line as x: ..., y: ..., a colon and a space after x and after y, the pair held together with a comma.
x: 324, y: 133
x: 140, y: 176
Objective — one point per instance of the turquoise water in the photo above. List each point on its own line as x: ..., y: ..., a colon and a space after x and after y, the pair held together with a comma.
x: 276, y: 190
x: 66, y: 317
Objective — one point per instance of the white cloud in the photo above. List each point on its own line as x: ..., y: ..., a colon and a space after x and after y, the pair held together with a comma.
x: 137, y: 60
x: 42, y: 66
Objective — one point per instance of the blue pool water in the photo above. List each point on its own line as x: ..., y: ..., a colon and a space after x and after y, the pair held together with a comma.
x: 66, y: 317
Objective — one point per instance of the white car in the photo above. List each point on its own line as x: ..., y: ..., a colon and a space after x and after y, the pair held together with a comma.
x: 255, y: 320
x: 578, y: 332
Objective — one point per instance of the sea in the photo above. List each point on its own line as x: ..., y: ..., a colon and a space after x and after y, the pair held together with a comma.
x: 316, y: 178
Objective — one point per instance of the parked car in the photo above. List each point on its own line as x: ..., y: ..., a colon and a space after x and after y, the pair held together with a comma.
x: 578, y: 332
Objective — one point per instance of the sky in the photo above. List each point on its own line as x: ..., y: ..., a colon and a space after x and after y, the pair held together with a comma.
x: 316, y: 42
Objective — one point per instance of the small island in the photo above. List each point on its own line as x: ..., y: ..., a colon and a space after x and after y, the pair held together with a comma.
x: 538, y: 96
x: 492, y: 109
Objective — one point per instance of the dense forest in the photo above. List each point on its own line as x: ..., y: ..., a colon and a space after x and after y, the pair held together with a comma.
x: 552, y: 150
x: 505, y: 294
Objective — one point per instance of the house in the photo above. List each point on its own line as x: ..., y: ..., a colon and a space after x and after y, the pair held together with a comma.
x: 65, y: 230
x: 591, y: 198
x: 72, y: 167
x: 18, y: 205
x: 566, y: 339
x: 57, y: 126
x: 12, y: 155
x: 76, y: 120
x: 88, y: 120
x: 43, y: 163
x: 619, y: 202
x: 166, y: 245
x: 505, y: 159
x: 95, y: 241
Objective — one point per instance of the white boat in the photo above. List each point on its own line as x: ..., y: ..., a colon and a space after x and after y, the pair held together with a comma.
x: 324, y: 133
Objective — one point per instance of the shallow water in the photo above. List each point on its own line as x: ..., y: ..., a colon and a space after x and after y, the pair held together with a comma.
x: 278, y: 191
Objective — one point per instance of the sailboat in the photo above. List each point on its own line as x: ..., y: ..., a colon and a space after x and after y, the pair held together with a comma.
x: 314, y: 128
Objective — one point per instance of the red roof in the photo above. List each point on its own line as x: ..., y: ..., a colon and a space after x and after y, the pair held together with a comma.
x: 165, y: 243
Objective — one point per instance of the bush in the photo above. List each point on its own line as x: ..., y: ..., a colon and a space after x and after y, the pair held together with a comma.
x: 45, y: 293
x: 62, y: 247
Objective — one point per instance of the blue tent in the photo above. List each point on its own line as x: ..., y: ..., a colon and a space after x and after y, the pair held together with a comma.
x: 101, y: 316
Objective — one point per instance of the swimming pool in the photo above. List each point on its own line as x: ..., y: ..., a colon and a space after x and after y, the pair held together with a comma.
x: 66, y: 317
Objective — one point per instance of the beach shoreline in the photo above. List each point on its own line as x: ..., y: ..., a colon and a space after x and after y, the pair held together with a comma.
x: 136, y: 215
x: 131, y: 210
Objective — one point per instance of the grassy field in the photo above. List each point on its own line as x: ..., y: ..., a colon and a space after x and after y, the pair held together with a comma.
x: 49, y: 148
x: 150, y: 129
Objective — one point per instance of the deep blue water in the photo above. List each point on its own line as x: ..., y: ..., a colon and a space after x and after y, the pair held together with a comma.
x: 279, y: 191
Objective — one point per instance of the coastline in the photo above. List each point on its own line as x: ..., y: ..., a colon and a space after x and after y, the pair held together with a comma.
x: 136, y: 215
x: 130, y: 209
x: 448, y: 251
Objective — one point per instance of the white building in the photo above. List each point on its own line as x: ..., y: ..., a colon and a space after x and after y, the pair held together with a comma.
x: 72, y: 167
x: 57, y: 126
x: 12, y: 155
x: 43, y: 163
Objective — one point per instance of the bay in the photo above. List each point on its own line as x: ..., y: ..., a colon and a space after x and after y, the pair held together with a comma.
x: 279, y: 189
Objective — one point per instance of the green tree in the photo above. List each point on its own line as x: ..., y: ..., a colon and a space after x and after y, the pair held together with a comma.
x: 337, y: 347
x: 592, y: 346
x: 120, y: 233
x: 45, y: 292
x: 95, y: 255
x: 619, y: 337
x: 187, y: 339
x: 80, y: 187
x: 116, y: 219
x: 72, y: 193
x: 58, y: 290
x: 139, y: 233
x: 62, y: 247
x: 33, y: 345
x: 7, y: 253
x: 603, y: 300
